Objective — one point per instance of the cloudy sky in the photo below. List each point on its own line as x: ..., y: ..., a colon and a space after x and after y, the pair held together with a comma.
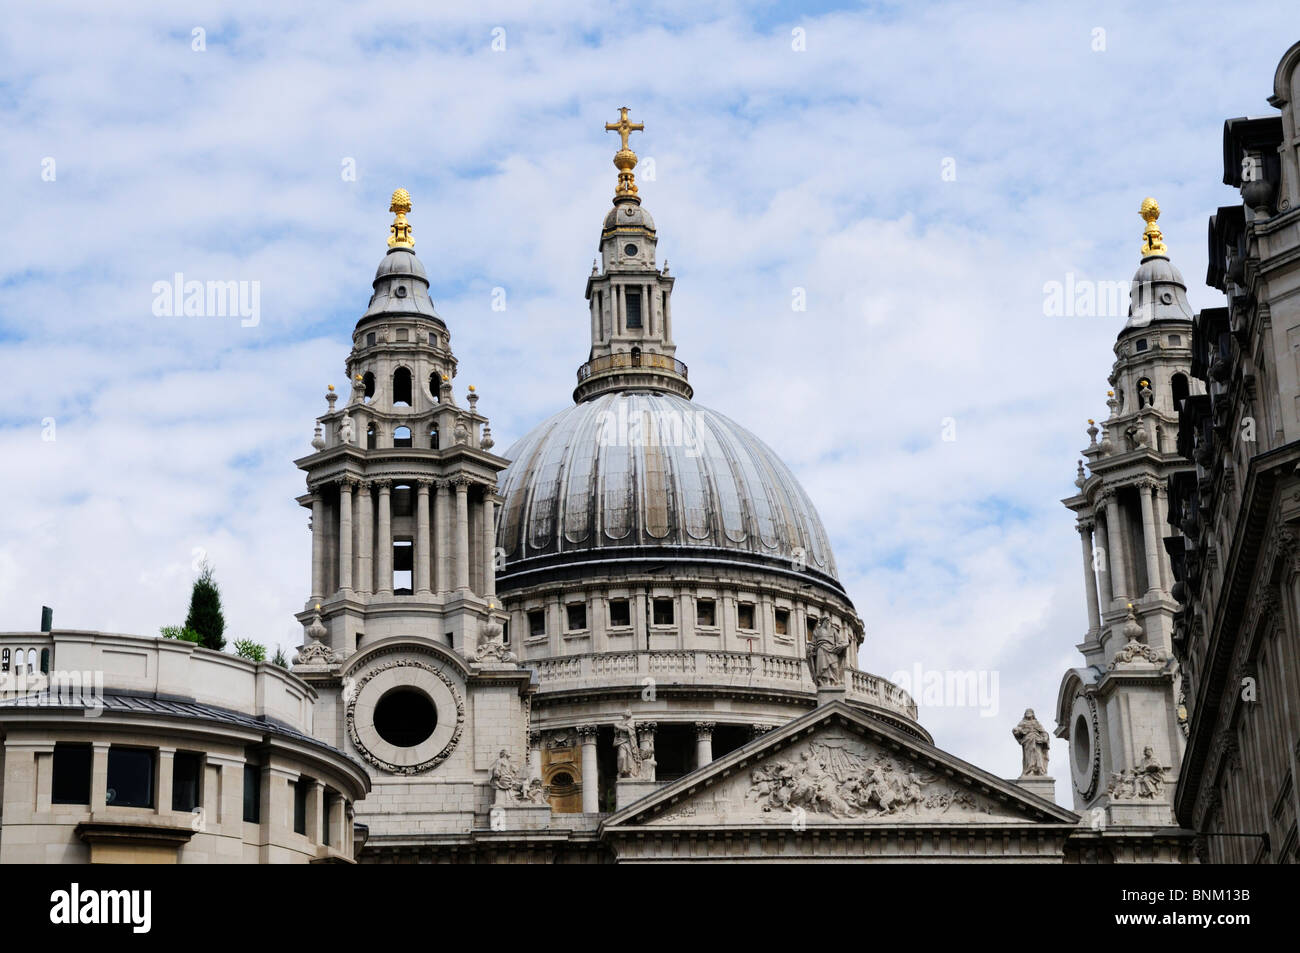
x: 793, y: 146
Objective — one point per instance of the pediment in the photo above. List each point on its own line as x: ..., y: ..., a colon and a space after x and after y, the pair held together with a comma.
x: 838, y: 766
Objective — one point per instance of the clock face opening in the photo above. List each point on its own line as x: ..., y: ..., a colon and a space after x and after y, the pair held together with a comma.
x: 629, y: 249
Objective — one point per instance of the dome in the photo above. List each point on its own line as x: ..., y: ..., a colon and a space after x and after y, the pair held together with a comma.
x: 401, y: 287
x: 656, y: 477
x: 628, y: 215
x: 1159, y: 294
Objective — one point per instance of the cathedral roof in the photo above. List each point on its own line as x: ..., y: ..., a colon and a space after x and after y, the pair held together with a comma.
x: 655, y: 476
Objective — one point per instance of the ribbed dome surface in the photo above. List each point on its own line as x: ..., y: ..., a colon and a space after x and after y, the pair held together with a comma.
x: 631, y: 470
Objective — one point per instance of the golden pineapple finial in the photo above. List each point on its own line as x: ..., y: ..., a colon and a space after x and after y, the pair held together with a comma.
x: 1153, y: 243
x: 403, y: 235
x: 625, y: 158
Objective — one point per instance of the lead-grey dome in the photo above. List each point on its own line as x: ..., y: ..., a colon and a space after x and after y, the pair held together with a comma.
x: 655, y: 476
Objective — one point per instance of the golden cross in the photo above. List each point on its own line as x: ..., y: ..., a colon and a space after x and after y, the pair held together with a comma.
x: 623, y: 127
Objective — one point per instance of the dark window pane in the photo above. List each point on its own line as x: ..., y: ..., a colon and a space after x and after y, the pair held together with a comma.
x: 130, y: 777
x: 252, y: 793
x: 300, y: 806
x: 187, y: 767
x: 71, y: 774
x: 633, y: 309
x: 619, y: 613
x: 577, y: 616
x: 663, y: 612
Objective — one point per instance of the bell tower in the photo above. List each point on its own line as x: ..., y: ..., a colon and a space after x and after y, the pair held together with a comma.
x: 629, y: 297
x: 401, y: 483
x: 1120, y: 711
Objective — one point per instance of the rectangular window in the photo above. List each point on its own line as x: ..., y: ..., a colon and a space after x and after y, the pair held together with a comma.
x: 402, y: 334
x: 253, y: 793
x: 663, y: 612
x: 130, y: 777
x: 71, y: 774
x: 706, y: 613
x: 300, y: 789
x: 745, y: 616
x: 782, y: 621
x: 810, y: 629
x: 403, y: 567
x: 577, y: 615
x: 370, y: 339
x: 620, y: 613
x: 633, y: 299
x: 187, y: 770
x: 505, y: 631
x: 536, y: 621
x: 329, y: 807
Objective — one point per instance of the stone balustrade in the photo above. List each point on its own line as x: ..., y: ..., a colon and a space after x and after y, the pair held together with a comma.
x: 712, y: 670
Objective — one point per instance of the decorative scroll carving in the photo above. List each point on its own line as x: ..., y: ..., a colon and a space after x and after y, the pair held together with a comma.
x: 491, y: 644
x: 314, y: 651
x: 408, y: 769
x: 1133, y: 650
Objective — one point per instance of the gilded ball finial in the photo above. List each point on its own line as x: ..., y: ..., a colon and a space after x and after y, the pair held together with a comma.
x: 403, y: 236
x: 625, y: 158
x: 331, y: 387
x: 1153, y: 243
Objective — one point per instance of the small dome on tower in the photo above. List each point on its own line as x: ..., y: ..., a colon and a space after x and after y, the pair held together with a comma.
x: 1158, y: 292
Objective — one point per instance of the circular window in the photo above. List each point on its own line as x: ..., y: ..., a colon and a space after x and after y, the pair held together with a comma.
x: 401, y: 291
x: 629, y: 249
x: 405, y: 717
x: 1082, y: 746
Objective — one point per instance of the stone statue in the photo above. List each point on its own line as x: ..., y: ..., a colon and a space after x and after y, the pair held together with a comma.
x: 1035, y: 744
x: 646, y: 755
x: 511, y: 783
x: 345, y: 431
x: 504, y: 773
x: 628, y: 743
x: 826, y: 655
x: 1146, y: 780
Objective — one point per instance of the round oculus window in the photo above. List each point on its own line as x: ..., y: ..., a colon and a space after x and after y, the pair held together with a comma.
x: 629, y: 249
x: 405, y: 717
x: 401, y: 291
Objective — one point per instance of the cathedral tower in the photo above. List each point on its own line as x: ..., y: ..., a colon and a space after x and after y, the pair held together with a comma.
x: 1120, y: 711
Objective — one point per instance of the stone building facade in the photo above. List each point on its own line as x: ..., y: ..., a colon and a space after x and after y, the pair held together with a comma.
x: 1237, y: 506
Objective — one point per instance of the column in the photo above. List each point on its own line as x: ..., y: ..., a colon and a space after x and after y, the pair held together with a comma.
x: 315, y: 809
x: 364, y: 580
x: 534, y: 754
x: 590, y: 773
x: 1162, y: 527
x: 1100, y: 542
x: 1115, y: 531
x: 1089, y: 578
x: 646, y: 738
x: 384, y: 544
x: 163, y: 789
x: 422, y: 537
x: 462, y: 533
x: 317, y: 548
x: 703, y: 743
x: 668, y: 316
x: 489, y: 545
x: 98, y: 776
x: 443, y: 538
x: 345, y: 537
x: 1149, y: 536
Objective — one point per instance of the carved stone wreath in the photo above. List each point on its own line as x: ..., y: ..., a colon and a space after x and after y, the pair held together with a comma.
x: 428, y: 763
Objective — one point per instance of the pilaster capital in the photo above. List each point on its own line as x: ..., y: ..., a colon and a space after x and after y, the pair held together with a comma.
x: 442, y: 486
x: 384, y: 484
x: 647, y: 727
x: 423, y: 483
x: 588, y: 733
x: 704, y: 727
x: 462, y: 483
x: 347, y: 484
x: 1086, y: 527
x: 534, y: 738
x: 1106, y: 495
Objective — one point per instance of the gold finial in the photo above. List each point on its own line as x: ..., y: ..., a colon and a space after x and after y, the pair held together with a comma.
x: 471, y: 387
x: 1153, y: 243
x: 625, y: 158
x: 403, y: 235
x: 318, y: 607
x: 331, y: 387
